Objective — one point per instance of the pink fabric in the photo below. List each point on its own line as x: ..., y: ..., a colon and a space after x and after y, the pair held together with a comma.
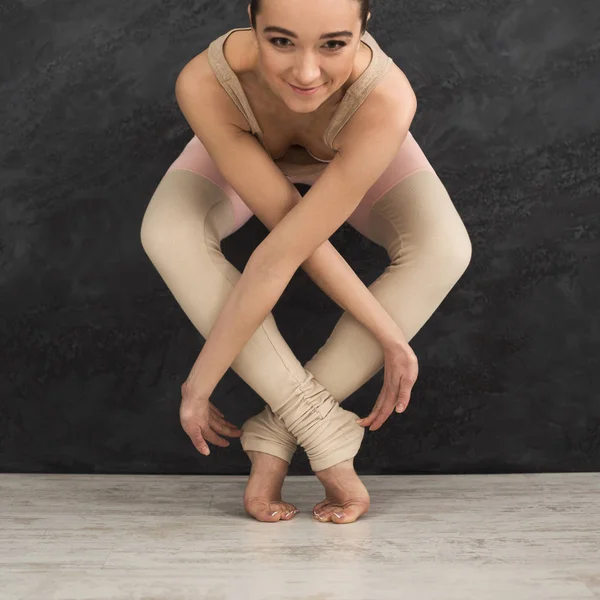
x: 195, y: 157
x: 410, y: 159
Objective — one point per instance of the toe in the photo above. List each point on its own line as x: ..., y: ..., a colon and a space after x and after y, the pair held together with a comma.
x: 321, y: 505
x: 263, y: 510
x: 340, y: 516
x: 348, y: 513
x: 328, y: 512
x: 322, y: 511
x: 288, y: 511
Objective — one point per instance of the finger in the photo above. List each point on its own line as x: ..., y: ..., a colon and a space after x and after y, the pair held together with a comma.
x: 213, y: 407
x: 408, y: 383
x: 218, y: 415
x: 404, y: 395
x: 385, y: 411
x: 402, y: 403
x: 373, y: 414
x: 378, y: 404
x: 368, y: 420
x: 223, y: 423
x: 364, y: 422
x: 382, y: 417
x: 235, y: 431
x: 215, y: 439
x: 200, y: 443
x: 225, y: 429
x: 400, y: 394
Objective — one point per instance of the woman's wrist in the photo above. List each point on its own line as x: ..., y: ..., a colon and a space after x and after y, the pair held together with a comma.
x: 191, y: 393
x: 394, y: 339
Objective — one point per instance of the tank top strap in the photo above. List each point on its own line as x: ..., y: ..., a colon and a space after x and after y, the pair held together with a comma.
x: 359, y: 90
x: 229, y: 80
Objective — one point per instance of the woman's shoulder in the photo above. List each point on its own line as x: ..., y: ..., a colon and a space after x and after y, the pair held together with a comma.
x: 210, y: 93
x: 390, y: 97
x: 395, y: 84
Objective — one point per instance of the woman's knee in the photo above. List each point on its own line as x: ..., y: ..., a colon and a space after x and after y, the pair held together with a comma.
x: 154, y: 226
x: 426, y: 223
x: 449, y: 240
x: 447, y: 249
x: 182, y: 207
x: 451, y: 248
x: 462, y: 250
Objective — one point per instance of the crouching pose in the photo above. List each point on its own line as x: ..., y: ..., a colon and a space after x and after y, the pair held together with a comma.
x: 304, y: 95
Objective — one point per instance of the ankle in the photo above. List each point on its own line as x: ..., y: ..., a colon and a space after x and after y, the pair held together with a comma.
x: 263, y: 462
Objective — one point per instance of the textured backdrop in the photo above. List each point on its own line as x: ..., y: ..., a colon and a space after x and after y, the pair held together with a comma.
x: 94, y: 346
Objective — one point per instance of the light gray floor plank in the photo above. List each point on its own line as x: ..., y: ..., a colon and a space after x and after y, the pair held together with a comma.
x: 178, y: 537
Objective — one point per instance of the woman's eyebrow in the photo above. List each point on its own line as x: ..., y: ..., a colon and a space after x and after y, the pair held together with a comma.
x: 275, y: 29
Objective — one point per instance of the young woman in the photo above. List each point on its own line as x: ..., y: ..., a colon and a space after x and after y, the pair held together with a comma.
x: 256, y: 134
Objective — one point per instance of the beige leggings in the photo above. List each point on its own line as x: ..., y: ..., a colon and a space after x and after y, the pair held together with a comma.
x: 429, y: 250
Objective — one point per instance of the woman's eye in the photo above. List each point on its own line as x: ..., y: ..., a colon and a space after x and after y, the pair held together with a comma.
x: 274, y: 41
x: 339, y: 46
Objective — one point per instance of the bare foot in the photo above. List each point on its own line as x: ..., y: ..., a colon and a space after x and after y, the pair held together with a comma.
x: 345, y: 494
x: 262, y: 496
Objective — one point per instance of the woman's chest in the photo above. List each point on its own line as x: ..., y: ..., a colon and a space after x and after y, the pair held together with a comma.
x: 287, y: 135
x: 292, y: 138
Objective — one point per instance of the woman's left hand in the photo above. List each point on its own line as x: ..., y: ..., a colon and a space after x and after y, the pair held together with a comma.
x: 203, y: 421
x: 401, y: 371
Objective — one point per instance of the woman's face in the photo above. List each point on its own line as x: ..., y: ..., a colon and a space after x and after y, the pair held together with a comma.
x: 305, y: 55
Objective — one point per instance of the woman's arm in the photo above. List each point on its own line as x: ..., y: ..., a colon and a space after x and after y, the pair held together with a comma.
x: 254, y: 296
x: 330, y: 271
x: 247, y: 306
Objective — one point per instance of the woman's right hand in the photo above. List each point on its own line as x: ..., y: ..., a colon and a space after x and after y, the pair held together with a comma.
x: 401, y: 369
x: 203, y: 421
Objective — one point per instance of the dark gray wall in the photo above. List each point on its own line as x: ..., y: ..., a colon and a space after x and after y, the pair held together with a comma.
x: 94, y: 347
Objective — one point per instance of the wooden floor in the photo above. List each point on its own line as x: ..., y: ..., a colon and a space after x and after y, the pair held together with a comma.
x: 463, y: 537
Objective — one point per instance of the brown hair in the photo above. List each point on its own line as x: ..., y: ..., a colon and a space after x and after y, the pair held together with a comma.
x: 364, y: 13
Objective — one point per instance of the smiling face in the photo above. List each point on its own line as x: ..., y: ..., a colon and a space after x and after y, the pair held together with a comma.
x: 308, y: 44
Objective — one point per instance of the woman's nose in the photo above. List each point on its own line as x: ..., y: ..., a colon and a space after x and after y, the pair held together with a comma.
x: 307, y: 71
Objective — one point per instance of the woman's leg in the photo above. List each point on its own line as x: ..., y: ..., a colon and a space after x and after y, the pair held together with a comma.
x: 186, y: 219
x: 429, y: 249
x: 408, y: 212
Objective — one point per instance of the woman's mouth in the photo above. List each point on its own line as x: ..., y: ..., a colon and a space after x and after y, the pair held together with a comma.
x: 305, y: 92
